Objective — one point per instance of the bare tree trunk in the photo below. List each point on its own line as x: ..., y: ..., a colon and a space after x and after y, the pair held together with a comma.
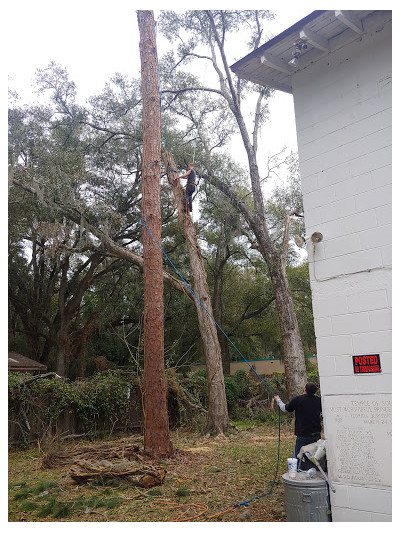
x: 218, y: 300
x: 217, y: 416
x: 157, y: 443
x: 84, y: 340
x: 63, y: 343
x: 295, y: 368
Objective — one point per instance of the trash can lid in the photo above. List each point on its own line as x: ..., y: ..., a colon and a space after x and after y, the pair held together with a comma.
x: 301, y: 480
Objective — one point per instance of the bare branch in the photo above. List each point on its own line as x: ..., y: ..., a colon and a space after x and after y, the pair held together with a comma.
x: 257, y: 122
x: 285, y: 242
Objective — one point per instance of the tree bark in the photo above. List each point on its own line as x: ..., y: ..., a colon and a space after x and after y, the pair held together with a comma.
x: 217, y: 415
x: 157, y: 443
x: 295, y: 368
x: 218, y: 304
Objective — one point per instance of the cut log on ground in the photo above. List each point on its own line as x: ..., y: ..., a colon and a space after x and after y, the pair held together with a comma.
x: 131, y: 472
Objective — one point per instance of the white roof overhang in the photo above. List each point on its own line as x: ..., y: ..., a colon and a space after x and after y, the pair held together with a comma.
x: 320, y: 33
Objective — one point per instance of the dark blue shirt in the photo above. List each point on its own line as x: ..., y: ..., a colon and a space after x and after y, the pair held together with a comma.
x: 307, y: 410
x: 192, y: 177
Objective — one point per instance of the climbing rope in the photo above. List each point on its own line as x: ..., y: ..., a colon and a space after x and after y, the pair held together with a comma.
x: 273, y: 483
x: 205, y: 309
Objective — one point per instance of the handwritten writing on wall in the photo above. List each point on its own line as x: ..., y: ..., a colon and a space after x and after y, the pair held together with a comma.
x: 358, y: 429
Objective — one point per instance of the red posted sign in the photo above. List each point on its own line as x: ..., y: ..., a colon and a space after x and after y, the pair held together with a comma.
x: 366, y: 364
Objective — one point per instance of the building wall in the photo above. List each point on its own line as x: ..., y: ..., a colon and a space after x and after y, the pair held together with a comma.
x: 343, y: 118
x: 261, y: 366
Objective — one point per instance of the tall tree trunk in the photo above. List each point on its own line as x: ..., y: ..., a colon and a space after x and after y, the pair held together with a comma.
x: 276, y: 259
x: 157, y: 442
x: 217, y: 416
x: 218, y: 299
x: 295, y: 369
x: 86, y: 332
x: 294, y: 362
x: 62, y: 336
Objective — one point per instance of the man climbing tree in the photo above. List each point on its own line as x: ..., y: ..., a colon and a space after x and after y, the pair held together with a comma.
x: 217, y: 414
x: 190, y: 187
x: 210, y: 29
x: 156, y: 432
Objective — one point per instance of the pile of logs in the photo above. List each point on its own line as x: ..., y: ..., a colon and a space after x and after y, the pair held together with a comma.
x: 118, y: 462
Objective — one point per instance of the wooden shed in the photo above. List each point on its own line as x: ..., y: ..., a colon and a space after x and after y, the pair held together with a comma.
x: 20, y: 363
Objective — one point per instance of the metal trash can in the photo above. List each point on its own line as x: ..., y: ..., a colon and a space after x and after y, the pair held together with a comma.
x: 307, y: 500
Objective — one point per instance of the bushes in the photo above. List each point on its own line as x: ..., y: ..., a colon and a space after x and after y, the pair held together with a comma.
x: 237, y: 387
x: 112, y: 401
x: 45, y: 407
x: 104, y: 395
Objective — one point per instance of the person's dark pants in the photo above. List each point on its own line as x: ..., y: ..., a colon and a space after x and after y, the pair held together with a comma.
x: 188, y: 197
x: 303, y: 441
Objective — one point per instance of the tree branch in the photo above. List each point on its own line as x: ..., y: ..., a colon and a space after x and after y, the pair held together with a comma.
x: 285, y: 241
x: 113, y: 249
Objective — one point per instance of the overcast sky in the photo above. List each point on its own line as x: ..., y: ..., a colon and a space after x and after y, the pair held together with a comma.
x: 94, y: 39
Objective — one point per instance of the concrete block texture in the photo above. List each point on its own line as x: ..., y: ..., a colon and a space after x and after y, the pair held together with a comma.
x: 334, y: 345
x: 341, y: 131
x: 344, y: 170
x: 352, y: 384
x: 367, y: 300
x: 372, y: 342
x: 323, y: 326
x: 378, y: 197
x: 351, y: 323
x: 362, y: 498
x: 380, y: 320
x: 352, y: 263
x: 343, y: 120
x: 345, y: 514
x: 342, y: 365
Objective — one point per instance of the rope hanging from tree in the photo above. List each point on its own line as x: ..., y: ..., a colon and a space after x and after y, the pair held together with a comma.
x: 273, y: 483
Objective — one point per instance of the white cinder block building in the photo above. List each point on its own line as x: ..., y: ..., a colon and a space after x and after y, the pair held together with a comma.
x: 337, y: 65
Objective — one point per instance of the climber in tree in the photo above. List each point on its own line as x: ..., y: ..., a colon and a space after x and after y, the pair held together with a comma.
x: 190, y: 176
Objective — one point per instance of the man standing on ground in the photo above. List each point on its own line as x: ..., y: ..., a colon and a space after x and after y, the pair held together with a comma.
x: 308, y: 415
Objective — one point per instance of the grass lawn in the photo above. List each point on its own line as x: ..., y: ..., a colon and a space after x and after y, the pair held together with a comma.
x: 203, y: 482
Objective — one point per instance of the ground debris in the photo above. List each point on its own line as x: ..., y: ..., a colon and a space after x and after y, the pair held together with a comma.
x: 132, y: 472
x: 106, y: 451
x: 119, y: 462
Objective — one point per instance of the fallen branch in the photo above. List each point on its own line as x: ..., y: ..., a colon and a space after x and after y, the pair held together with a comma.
x: 41, y: 376
x: 134, y: 473
x: 68, y: 456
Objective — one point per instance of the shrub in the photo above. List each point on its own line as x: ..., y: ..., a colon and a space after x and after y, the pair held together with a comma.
x: 104, y: 397
x: 313, y: 376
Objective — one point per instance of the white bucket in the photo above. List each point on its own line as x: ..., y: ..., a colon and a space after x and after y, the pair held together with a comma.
x: 292, y: 466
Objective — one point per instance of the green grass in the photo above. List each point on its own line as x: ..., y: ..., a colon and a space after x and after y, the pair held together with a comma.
x: 29, y: 506
x: 155, y: 492
x: 47, y: 509
x: 44, y: 486
x: 182, y: 492
x: 22, y: 494
x: 112, y: 503
x: 94, y: 501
